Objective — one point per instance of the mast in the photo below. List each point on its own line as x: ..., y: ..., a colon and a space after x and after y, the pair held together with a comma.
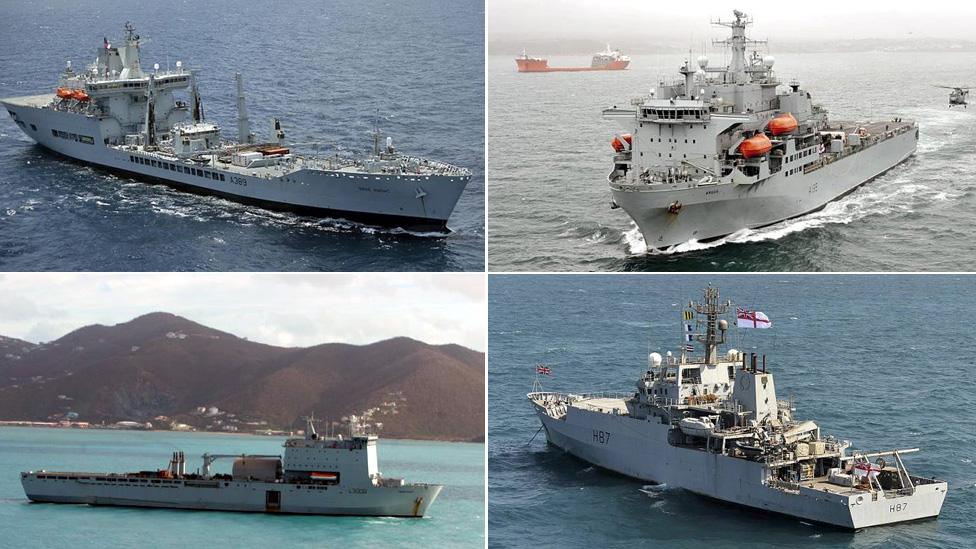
x: 737, y: 43
x: 243, y: 126
x: 151, y: 112
x: 715, y: 329
x: 195, y: 98
x: 310, y: 433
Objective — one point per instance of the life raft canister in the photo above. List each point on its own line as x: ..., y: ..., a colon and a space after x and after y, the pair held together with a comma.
x: 783, y: 123
x: 756, y: 145
x: 618, y: 145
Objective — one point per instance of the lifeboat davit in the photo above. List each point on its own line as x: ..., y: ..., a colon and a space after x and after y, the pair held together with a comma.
x: 618, y: 145
x: 65, y: 93
x: 79, y: 95
x: 784, y: 123
x: 756, y: 145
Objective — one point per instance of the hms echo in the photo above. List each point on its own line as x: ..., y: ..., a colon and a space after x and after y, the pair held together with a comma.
x: 117, y: 116
x: 318, y: 476
x: 713, y: 425
x: 731, y: 148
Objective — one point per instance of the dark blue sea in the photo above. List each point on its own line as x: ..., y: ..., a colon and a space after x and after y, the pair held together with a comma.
x: 455, y: 520
x: 883, y: 361
x: 328, y: 69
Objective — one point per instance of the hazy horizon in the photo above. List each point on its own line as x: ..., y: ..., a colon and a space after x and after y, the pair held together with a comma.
x: 631, y: 24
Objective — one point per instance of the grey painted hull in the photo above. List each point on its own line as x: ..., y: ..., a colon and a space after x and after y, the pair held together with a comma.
x: 247, y: 496
x: 416, y: 202
x: 640, y: 449
x: 713, y: 211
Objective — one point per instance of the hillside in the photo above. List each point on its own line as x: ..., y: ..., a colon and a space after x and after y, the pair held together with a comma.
x: 165, y: 369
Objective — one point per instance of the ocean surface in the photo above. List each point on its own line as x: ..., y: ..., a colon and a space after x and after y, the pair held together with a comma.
x: 330, y: 70
x: 549, y: 206
x: 883, y: 361
x: 455, y: 520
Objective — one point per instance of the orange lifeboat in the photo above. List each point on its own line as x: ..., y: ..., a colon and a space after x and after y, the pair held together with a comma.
x: 784, y: 123
x: 65, y: 93
x: 756, y: 145
x: 618, y: 145
x: 79, y: 95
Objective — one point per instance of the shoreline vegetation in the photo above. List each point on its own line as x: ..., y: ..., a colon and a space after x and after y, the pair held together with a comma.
x: 258, y: 433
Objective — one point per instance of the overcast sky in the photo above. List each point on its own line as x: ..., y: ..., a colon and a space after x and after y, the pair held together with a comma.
x: 656, y: 20
x: 279, y: 309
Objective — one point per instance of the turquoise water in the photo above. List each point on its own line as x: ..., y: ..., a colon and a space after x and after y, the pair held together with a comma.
x: 455, y: 520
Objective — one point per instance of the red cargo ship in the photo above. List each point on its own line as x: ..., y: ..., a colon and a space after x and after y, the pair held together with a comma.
x: 607, y: 60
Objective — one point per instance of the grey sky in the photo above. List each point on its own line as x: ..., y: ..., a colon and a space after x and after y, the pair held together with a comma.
x: 280, y: 309
x: 656, y: 21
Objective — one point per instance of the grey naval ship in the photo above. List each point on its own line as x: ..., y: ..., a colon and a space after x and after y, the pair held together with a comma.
x: 713, y: 425
x: 319, y: 475
x: 732, y: 148
x: 118, y: 116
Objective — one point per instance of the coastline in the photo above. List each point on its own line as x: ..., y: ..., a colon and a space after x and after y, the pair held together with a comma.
x: 40, y: 425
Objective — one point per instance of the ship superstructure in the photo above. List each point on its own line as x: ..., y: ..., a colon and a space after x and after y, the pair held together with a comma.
x: 713, y: 424
x: 151, y: 123
x: 730, y: 148
x: 331, y: 475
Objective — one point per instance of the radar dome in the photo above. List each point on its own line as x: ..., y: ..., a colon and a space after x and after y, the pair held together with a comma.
x: 702, y: 61
x: 670, y: 354
x: 768, y: 61
x: 654, y: 359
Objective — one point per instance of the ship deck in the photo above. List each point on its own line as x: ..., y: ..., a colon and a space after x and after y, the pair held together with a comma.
x: 821, y: 485
x: 33, y: 101
x: 615, y: 406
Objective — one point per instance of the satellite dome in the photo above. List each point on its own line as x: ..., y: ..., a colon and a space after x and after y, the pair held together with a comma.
x: 700, y: 73
x: 768, y: 61
x: 732, y: 355
x: 723, y: 324
x: 702, y: 61
x: 654, y: 359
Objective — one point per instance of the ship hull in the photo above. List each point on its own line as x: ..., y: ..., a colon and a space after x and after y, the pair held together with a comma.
x: 232, y: 495
x: 709, y: 212
x: 414, y: 202
x: 640, y: 449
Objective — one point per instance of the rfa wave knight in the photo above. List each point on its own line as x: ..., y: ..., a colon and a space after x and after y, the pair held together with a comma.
x: 318, y: 476
x: 732, y: 148
x: 713, y: 425
x: 117, y: 116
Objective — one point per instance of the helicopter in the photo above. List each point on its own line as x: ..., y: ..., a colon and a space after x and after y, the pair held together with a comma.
x: 958, y: 95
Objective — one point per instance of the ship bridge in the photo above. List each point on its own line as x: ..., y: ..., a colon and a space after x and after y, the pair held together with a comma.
x: 673, y: 111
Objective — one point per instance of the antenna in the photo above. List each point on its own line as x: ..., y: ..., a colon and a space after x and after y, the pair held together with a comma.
x: 711, y: 308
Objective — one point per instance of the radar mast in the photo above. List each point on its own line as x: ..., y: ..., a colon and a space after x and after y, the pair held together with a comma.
x: 715, y: 329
